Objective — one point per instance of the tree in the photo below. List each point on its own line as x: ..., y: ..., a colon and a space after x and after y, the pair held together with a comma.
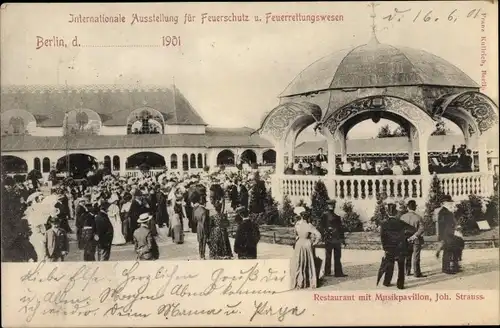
x: 287, y: 214
x: 319, y: 199
x: 435, y: 201
x: 380, y: 214
x: 384, y: 132
x: 351, y: 220
x: 441, y: 129
x: 468, y: 212
x: 492, y: 208
x: 271, y: 210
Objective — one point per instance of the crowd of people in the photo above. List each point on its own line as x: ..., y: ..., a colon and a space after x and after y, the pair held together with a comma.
x: 111, y: 211
x: 117, y: 211
x: 401, y: 237
x: 458, y: 160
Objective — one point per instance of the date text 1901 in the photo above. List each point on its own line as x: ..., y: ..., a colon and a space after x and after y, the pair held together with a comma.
x: 171, y: 41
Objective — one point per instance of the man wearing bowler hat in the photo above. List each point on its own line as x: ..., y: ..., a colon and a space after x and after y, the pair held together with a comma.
x: 393, y: 234
x: 417, y: 239
x: 333, y: 236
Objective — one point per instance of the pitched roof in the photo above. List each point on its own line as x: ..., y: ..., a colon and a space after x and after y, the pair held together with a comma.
x: 389, y: 145
x: 214, y: 137
x: 113, y: 103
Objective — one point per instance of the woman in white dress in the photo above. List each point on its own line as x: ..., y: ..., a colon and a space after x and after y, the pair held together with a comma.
x: 303, y: 267
x: 116, y: 221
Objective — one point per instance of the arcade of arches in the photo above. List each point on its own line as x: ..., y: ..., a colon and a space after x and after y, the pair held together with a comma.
x: 81, y: 163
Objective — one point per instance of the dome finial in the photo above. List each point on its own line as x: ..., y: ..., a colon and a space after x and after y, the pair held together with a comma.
x: 374, y: 26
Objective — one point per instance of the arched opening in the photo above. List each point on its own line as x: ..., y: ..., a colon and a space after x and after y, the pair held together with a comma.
x: 116, y: 163
x: 204, y: 160
x: 17, y: 122
x: 82, y: 121
x: 248, y: 157
x: 173, y: 162
x: 46, y: 165
x: 143, y: 160
x: 107, y: 162
x: 200, y: 161
x: 192, y: 161
x: 37, y: 164
x: 145, y: 121
x: 13, y: 164
x: 225, y: 157
x: 185, y: 162
x: 269, y: 157
x: 79, y: 165
x: 149, y: 126
x: 377, y: 142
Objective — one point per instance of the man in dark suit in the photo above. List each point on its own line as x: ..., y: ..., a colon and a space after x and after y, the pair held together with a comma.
x: 393, y: 234
x: 137, y: 207
x: 202, y: 219
x: 243, y: 195
x: 417, y: 239
x: 333, y: 236
x: 321, y: 157
x: 56, y: 242
x: 233, y: 194
x: 247, y: 237
x: 104, y: 233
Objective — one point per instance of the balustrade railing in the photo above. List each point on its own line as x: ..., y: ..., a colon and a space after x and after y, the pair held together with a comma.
x: 366, y: 187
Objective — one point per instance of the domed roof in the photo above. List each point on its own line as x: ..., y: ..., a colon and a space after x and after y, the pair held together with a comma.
x: 377, y: 65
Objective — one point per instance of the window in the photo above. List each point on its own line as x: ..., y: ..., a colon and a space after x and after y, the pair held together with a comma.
x: 36, y: 163
x: 200, y: 161
x: 173, y: 162
x: 192, y: 161
x: 185, y: 162
x: 46, y: 165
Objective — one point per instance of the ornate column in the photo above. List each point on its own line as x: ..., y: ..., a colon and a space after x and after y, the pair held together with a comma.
x: 280, y: 158
x: 482, y: 145
x: 343, y: 144
x: 412, y: 142
x: 423, y: 142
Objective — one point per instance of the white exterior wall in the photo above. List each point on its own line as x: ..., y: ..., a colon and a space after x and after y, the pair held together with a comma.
x: 119, y: 130
x: 185, y: 129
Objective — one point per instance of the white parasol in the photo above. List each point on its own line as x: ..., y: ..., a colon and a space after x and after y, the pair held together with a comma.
x: 38, y: 213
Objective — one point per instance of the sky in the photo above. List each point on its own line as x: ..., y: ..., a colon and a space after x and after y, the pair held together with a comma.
x: 232, y: 73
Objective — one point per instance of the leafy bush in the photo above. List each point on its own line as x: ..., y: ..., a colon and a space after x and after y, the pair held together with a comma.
x: 319, y: 199
x: 271, y: 211
x: 206, y: 168
x: 468, y: 212
x: 351, y: 220
x: 435, y: 201
x: 491, y: 214
x: 222, y: 167
x: 254, y: 166
x: 287, y: 214
x: 380, y: 214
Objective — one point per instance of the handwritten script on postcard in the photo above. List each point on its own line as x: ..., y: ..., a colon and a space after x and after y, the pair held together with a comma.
x: 166, y: 290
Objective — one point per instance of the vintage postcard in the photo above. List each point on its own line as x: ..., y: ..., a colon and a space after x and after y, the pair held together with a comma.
x: 249, y: 164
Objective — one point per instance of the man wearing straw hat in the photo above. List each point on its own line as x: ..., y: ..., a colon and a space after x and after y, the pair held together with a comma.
x: 145, y: 244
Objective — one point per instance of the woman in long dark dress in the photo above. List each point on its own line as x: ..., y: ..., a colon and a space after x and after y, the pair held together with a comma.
x: 219, y: 245
x: 303, y: 266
